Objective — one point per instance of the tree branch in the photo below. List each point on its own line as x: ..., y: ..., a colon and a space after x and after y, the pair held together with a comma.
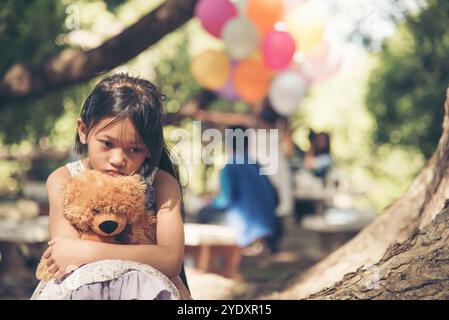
x: 73, y: 66
x: 189, y: 109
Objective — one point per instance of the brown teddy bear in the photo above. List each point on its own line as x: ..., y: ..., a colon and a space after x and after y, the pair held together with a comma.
x: 107, y: 209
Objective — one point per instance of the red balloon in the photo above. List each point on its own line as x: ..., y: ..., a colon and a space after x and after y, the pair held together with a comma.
x: 278, y: 49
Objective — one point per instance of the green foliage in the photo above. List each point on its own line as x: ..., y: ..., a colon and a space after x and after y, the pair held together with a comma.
x: 113, y: 5
x: 172, y: 73
x: 378, y: 174
x: 28, y: 30
x: 407, y: 89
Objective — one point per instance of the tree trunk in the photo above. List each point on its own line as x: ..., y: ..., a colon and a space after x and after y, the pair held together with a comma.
x: 73, y: 66
x: 415, y: 269
x: 401, y: 221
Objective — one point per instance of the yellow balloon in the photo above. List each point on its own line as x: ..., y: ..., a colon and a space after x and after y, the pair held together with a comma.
x: 306, y: 25
x: 211, y: 69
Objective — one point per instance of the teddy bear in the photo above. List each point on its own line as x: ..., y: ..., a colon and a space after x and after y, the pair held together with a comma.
x: 107, y: 209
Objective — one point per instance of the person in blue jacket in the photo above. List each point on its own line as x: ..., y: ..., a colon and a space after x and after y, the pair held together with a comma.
x: 248, y: 198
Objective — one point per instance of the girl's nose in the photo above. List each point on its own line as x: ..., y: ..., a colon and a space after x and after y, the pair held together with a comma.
x: 117, y: 158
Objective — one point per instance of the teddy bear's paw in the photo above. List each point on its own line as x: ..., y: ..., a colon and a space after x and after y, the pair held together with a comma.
x: 42, y: 273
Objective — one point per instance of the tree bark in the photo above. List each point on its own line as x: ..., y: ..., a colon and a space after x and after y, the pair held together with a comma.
x: 406, y: 216
x: 73, y: 66
x: 415, y: 269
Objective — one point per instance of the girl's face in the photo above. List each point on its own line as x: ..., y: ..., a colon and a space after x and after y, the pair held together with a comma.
x: 114, y: 150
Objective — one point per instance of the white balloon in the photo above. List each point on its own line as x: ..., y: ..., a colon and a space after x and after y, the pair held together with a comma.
x: 241, y: 6
x: 286, y: 92
x: 240, y: 37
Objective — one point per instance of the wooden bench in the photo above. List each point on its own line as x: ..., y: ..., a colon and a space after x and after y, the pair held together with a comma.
x: 212, y: 248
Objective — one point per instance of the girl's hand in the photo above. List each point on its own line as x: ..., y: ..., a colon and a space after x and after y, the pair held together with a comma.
x: 65, y: 255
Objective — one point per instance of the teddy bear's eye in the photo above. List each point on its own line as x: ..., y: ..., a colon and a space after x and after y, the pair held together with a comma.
x: 96, y: 210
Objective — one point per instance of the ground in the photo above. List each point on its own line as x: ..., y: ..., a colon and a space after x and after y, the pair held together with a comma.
x: 263, y: 276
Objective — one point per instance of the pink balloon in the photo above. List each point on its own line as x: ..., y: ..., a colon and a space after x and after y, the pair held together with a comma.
x: 278, y: 49
x: 321, y: 63
x: 214, y: 14
x: 228, y: 92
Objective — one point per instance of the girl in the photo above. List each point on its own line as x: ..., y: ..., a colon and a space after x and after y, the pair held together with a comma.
x: 120, y: 133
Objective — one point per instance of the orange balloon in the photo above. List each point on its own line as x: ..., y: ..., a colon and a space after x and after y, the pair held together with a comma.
x: 211, y: 69
x: 264, y: 13
x: 251, y: 80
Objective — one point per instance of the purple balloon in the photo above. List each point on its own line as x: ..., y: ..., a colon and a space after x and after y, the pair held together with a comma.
x: 214, y: 14
x: 228, y: 92
x: 278, y: 49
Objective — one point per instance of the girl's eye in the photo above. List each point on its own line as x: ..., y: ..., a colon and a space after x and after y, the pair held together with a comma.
x: 135, y: 150
x: 107, y: 144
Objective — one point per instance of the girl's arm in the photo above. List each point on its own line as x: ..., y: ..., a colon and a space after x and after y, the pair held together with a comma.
x: 59, y: 225
x: 166, y: 256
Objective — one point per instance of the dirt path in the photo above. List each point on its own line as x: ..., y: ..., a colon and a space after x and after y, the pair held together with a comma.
x: 263, y: 276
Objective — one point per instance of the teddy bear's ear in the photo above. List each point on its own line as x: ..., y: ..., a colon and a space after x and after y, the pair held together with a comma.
x: 77, y: 200
x: 133, y: 191
x: 135, y: 182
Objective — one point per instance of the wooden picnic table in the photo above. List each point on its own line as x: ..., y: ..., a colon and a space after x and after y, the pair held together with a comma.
x: 212, y: 248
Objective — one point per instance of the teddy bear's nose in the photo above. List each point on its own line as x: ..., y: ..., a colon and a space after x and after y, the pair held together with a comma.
x: 108, y: 226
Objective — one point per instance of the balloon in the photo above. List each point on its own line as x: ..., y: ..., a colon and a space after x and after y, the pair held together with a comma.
x: 286, y: 92
x: 228, y: 92
x: 321, y: 63
x: 211, y: 69
x: 305, y: 72
x: 251, y: 80
x: 278, y: 49
x: 306, y: 25
x: 264, y: 13
x: 290, y: 4
x: 241, y: 6
x: 213, y: 14
x: 240, y: 37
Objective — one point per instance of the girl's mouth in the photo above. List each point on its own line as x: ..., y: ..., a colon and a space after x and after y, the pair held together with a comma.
x: 114, y: 173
